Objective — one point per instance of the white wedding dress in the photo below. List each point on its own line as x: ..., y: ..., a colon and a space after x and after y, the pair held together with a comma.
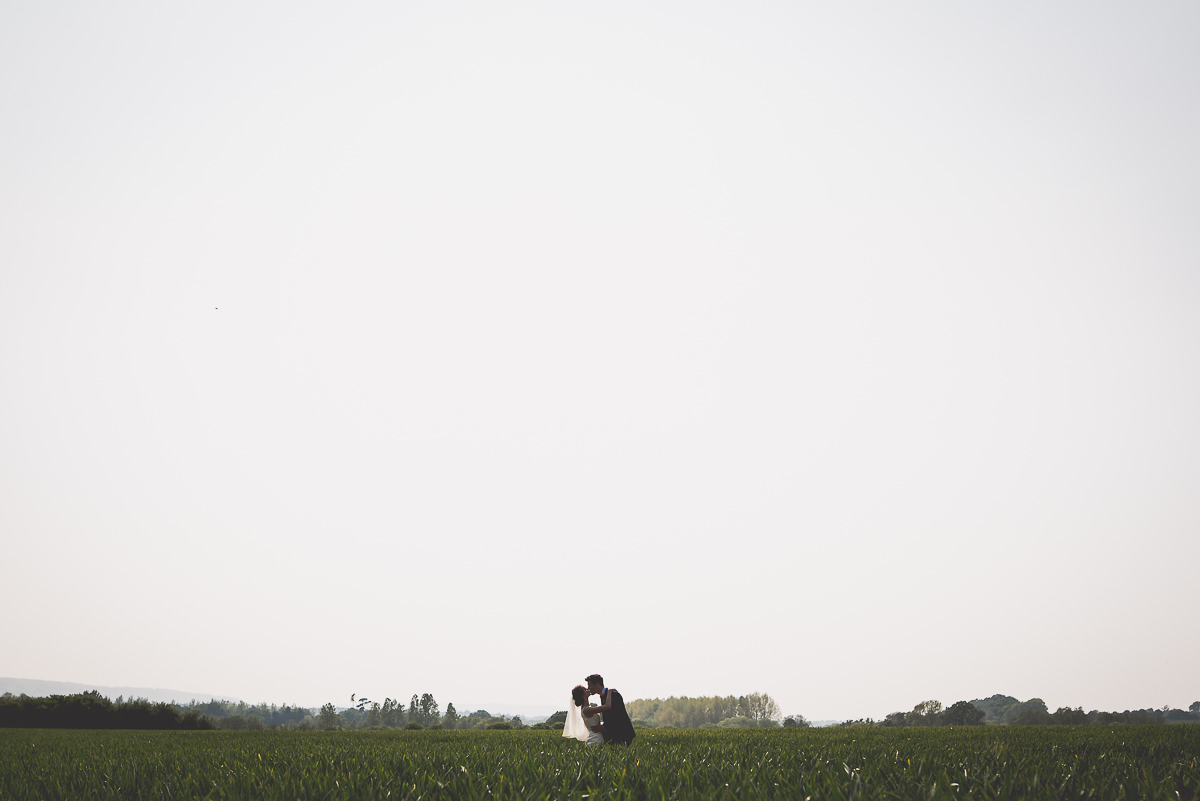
x: 580, y: 728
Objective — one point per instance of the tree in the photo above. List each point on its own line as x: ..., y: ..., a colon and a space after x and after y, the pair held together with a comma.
x: 669, y: 718
x: 719, y: 708
x: 798, y: 721
x: 998, y: 708
x: 1032, y: 716
x: 329, y: 718
x: 861, y: 723
x: 414, y: 709
x: 475, y: 720
x: 760, y: 706
x: 450, y: 719
x: 1195, y: 708
x: 1066, y: 716
x: 392, y: 714
x: 962, y: 713
x: 429, y: 711
x: 926, y: 713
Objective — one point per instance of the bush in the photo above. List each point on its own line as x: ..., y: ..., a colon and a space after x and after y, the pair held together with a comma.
x: 414, y: 726
x: 737, y: 723
x: 503, y: 725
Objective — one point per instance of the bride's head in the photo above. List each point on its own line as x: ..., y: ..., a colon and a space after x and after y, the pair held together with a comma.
x: 580, y: 695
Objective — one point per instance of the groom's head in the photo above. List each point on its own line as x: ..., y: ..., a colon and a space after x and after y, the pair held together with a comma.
x: 595, y: 683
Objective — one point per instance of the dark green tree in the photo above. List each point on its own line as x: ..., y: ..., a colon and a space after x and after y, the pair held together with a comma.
x: 450, y: 719
x: 1035, y: 713
x: 926, y: 713
x: 962, y: 713
x: 1066, y: 716
x: 998, y: 708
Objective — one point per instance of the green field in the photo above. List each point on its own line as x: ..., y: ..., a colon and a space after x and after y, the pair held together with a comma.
x: 1124, y: 762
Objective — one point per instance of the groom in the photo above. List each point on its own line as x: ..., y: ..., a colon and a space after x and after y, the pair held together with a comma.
x: 618, y: 728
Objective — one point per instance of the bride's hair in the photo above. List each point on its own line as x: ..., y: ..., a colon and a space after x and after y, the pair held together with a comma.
x: 580, y: 695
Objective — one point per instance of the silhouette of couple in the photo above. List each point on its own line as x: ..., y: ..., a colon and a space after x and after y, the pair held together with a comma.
x: 596, y: 724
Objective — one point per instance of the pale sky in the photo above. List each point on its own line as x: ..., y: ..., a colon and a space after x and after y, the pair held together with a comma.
x: 845, y: 352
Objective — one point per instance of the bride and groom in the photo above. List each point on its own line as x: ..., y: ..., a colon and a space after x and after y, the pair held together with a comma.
x: 606, y: 722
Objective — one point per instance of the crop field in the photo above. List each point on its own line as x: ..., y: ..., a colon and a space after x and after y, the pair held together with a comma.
x: 1088, y: 762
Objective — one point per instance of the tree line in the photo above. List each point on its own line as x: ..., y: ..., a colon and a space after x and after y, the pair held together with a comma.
x: 423, y: 712
x: 91, y: 710
x: 755, y: 710
x: 1004, y: 710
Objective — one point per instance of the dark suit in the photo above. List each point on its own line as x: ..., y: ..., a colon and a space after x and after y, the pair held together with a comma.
x: 618, y: 728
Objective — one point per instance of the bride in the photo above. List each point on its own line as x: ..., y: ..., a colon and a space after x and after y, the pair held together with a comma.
x: 583, y: 719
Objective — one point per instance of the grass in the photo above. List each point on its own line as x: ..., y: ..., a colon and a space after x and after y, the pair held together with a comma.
x: 1087, y: 762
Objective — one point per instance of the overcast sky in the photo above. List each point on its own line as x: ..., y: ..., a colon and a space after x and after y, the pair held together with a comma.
x: 845, y: 352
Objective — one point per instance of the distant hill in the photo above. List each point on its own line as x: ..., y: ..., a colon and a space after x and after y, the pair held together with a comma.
x: 39, y: 688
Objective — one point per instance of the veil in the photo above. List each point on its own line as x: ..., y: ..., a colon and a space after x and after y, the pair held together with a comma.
x: 575, y: 727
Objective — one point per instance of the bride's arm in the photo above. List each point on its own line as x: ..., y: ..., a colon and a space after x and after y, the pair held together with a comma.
x: 607, y: 705
x: 589, y: 711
